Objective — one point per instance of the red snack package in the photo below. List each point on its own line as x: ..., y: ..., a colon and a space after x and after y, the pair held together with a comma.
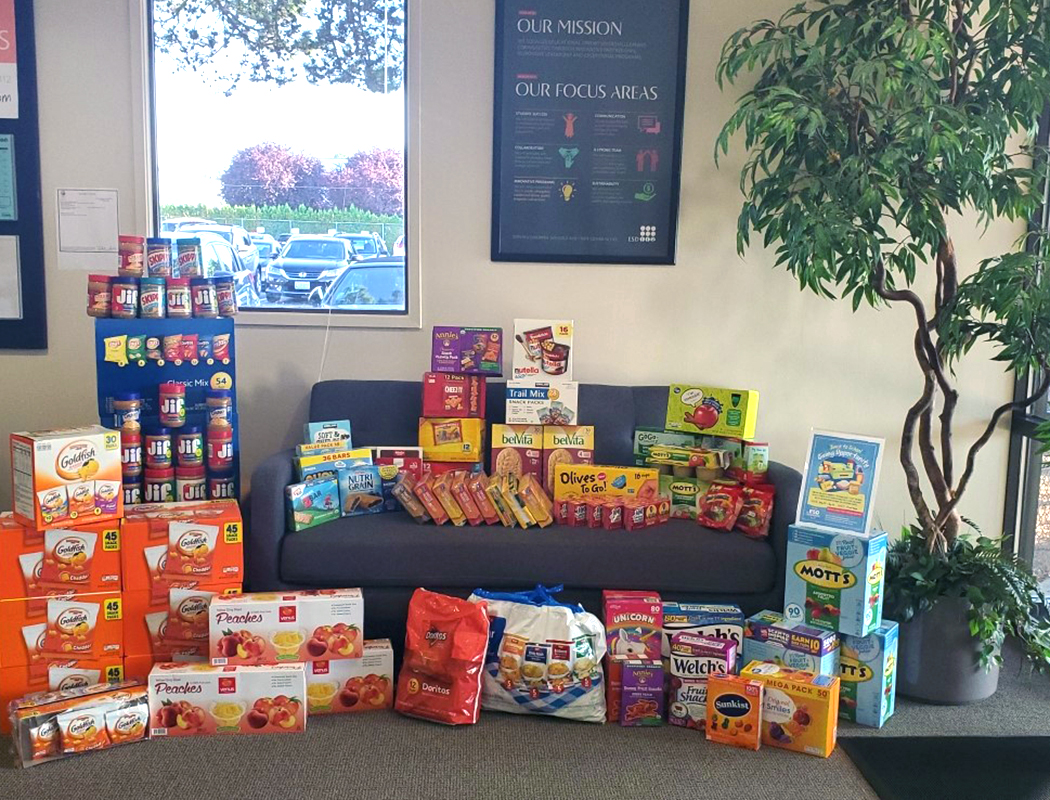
x: 189, y: 346
x: 465, y: 498
x: 612, y: 516
x: 445, y: 643
x: 430, y: 502
x: 757, y: 510
x: 663, y: 511
x: 634, y: 517
x: 595, y: 508
x: 561, y: 511
x: 476, y: 487
x: 719, y: 508
x: 577, y: 514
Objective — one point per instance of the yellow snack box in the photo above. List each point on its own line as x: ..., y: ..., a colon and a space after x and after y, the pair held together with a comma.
x: 535, y: 500
x: 800, y: 710
x: 509, y: 489
x: 442, y: 487
x: 566, y: 444
x: 715, y: 412
x: 587, y: 480
x: 495, y: 495
x: 456, y: 440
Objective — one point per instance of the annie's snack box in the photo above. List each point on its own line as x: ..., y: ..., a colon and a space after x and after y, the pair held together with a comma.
x: 63, y: 477
x: 565, y: 444
x: 452, y: 440
x: 350, y: 685
x: 769, y: 637
x: 542, y: 402
x: 78, y: 626
x: 694, y: 659
x: 834, y: 580
x: 264, y: 628
x: 868, y: 673
x: 333, y: 432
x: 543, y: 347
x: 196, y: 700
x: 311, y: 503
x: 734, y: 711
x: 588, y: 480
x: 712, y: 620
x: 52, y: 673
x: 517, y: 450
x: 449, y: 395
x: 645, y: 439
x: 716, y: 412
x: 799, y: 709
x: 58, y: 561
x: 468, y: 351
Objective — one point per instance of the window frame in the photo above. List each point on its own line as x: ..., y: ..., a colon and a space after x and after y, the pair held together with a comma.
x: 144, y: 89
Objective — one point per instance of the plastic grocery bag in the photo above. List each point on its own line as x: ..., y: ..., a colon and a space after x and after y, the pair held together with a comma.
x: 544, y: 657
x: 445, y: 642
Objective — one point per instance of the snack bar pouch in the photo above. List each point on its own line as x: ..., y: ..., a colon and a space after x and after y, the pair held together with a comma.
x: 757, y: 511
x: 544, y: 656
x: 445, y: 643
x: 719, y: 508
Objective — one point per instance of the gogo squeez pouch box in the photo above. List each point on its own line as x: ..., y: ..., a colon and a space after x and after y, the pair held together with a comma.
x: 868, y: 671
x: 834, y: 580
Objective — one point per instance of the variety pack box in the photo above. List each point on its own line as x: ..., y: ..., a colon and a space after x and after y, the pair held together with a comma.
x: 54, y: 674
x: 468, y: 351
x: 79, y: 626
x: 196, y: 700
x: 717, y: 412
x: 834, y: 580
x: 449, y: 395
x: 544, y: 349
x: 702, y: 619
x: 331, y: 433
x: 332, y: 462
x: 406, y: 459
x: 868, y: 672
x: 542, y: 402
x: 769, y: 637
x: 361, y: 491
x: 350, y: 685
x: 59, y: 561
x: 799, y: 709
x: 645, y: 439
x: 565, y: 444
x: 734, y: 711
x: 312, y: 625
x: 517, y: 450
x: 64, y: 477
x: 587, y: 480
x: 694, y: 659
x: 452, y: 440
x: 312, y: 503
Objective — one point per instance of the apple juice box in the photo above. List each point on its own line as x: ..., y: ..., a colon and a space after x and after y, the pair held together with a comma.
x: 868, y: 672
x: 349, y: 685
x: 198, y: 700
x: 274, y: 628
x: 769, y: 637
x: 834, y: 580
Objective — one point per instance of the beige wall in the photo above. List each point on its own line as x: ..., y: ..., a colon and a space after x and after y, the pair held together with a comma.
x: 714, y: 317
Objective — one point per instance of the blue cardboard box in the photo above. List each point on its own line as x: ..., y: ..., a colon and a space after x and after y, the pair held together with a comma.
x: 769, y: 637
x: 312, y: 503
x: 868, y: 673
x: 361, y: 491
x: 337, y: 430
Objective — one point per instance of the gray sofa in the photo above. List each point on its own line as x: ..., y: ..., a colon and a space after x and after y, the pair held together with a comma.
x: 389, y: 555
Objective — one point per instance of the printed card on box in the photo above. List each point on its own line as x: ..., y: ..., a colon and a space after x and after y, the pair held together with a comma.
x: 839, y: 483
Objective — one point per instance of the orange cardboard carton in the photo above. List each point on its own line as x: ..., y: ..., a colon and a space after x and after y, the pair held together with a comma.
x: 79, y: 626
x: 352, y: 684
x: 173, y: 627
x: 58, y: 561
x: 53, y: 674
x: 800, y: 709
x: 65, y: 477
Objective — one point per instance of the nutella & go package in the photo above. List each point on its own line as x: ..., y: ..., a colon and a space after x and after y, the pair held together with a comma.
x: 565, y: 444
x: 517, y: 450
x: 450, y: 395
x: 350, y: 685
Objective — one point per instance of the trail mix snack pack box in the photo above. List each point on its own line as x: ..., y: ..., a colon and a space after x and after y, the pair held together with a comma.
x: 799, y: 709
x: 350, y: 685
x: 834, y: 580
x: 62, y: 477
x: 565, y: 444
x: 769, y: 637
x: 197, y: 700
x: 868, y: 671
x: 468, y: 351
x: 542, y: 402
x: 645, y: 439
x: 716, y: 412
x: 734, y: 711
x: 312, y: 503
x: 542, y: 348
x: 264, y: 628
x: 58, y: 561
x: 702, y: 619
x: 694, y: 659
x: 450, y: 395
x: 587, y: 480
x: 452, y: 440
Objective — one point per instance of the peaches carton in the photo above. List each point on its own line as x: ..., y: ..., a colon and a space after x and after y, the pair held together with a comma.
x: 198, y: 699
x: 265, y: 628
x: 350, y: 685
x: 55, y: 674
x: 59, y: 561
x: 79, y: 626
x: 62, y: 477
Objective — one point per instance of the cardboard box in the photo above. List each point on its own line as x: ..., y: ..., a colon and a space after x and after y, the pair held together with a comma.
x: 799, y: 709
x: 452, y: 440
x: 834, y: 580
x: 642, y: 692
x: 312, y: 503
x: 542, y: 402
x: 361, y: 491
x: 198, y: 700
x: 868, y: 674
x: 565, y: 444
x: 52, y: 674
x: 406, y: 459
x: 769, y: 637
x: 470, y: 351
x: 543, y: 348
x: 694, y: 659
x: 79, y: 626
x: 147, y: 543
x: 633, y: 623
x: 683, y: 493
x: 702, y: 619
x: 49, y: 563
x: 334, y: 432
x: 173, y: 626
x: 517, y: 450
x: 321, y: 448
x: 716, y: 412
x: 582, y: 480
x: 66, y: 477
x: 330, y: 464
x: 734, y: 711
x: 350, y: 685
x: 264, y: 628
x: 645, y: 439
x: 449, y: 395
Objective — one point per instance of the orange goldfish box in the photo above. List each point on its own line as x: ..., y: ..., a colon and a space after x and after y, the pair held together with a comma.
x: 182, y: 545
x: 352, y: 684
x: 197, y: 699
x: 173, y: 627
x: 800, y: 710
x: 734, y: 711
x: 54, y: 674
x: 58, y: 561
x: 80, y: 626
x: 62, y: 477
x: 311, y: 625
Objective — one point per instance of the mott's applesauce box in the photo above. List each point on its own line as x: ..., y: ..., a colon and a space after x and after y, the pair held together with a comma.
x: 645, y: 439
x: 263, y: 628
x: 868, y: 671
x: 197, y: 699
x: 64, y: 477
x: 799, y: 709
x: 715, y: 412
x: 702, y: 619
x: 583, y: 480
x: 834, y: 580
x: 350, y: 685
x: 682, y: 494
x: 769, y: 637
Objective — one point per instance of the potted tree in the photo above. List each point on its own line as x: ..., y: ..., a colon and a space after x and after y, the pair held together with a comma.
x: 869, y: 127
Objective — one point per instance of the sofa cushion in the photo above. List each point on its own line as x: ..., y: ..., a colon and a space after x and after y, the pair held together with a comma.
x: 392, y: 550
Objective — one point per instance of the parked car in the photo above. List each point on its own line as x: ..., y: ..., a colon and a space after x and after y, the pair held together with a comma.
x: 234, y: 234
x: 267, y: 248
x: 375, y: 284
x: 399, y: 246
x: 168, y: 225
x: 365, y: 245
x: 306, y: 264
x: 219, y: 258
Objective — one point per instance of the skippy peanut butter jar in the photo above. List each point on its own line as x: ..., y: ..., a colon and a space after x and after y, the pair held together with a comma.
x: 311, y: 625
x: 64, y: 477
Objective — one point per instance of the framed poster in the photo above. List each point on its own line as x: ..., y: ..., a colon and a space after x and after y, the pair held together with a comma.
x: 587, y: 140
x: 839, y: 482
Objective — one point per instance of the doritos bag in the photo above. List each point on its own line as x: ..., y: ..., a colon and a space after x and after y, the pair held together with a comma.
x: 445, y: 645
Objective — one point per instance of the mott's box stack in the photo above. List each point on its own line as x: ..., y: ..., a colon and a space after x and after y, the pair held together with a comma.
x: 868, y: 671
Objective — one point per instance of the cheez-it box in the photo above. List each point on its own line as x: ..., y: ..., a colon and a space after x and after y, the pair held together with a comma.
x: 58, y: 561
x: 449, y: 395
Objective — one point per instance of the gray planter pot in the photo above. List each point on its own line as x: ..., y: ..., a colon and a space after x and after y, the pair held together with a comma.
x: 937, y: 658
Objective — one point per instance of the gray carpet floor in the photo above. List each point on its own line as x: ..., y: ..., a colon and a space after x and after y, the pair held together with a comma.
x: 382, y: 755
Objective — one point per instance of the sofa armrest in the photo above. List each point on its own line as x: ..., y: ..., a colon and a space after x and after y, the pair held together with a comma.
x: 789, y: 483
x: 266, y: 527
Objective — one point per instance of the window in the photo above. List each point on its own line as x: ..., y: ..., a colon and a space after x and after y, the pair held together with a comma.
x: 280, y: 129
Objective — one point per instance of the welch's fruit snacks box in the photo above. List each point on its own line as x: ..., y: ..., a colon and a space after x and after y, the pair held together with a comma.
x: 868, y: 673
x: 702, y: 619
